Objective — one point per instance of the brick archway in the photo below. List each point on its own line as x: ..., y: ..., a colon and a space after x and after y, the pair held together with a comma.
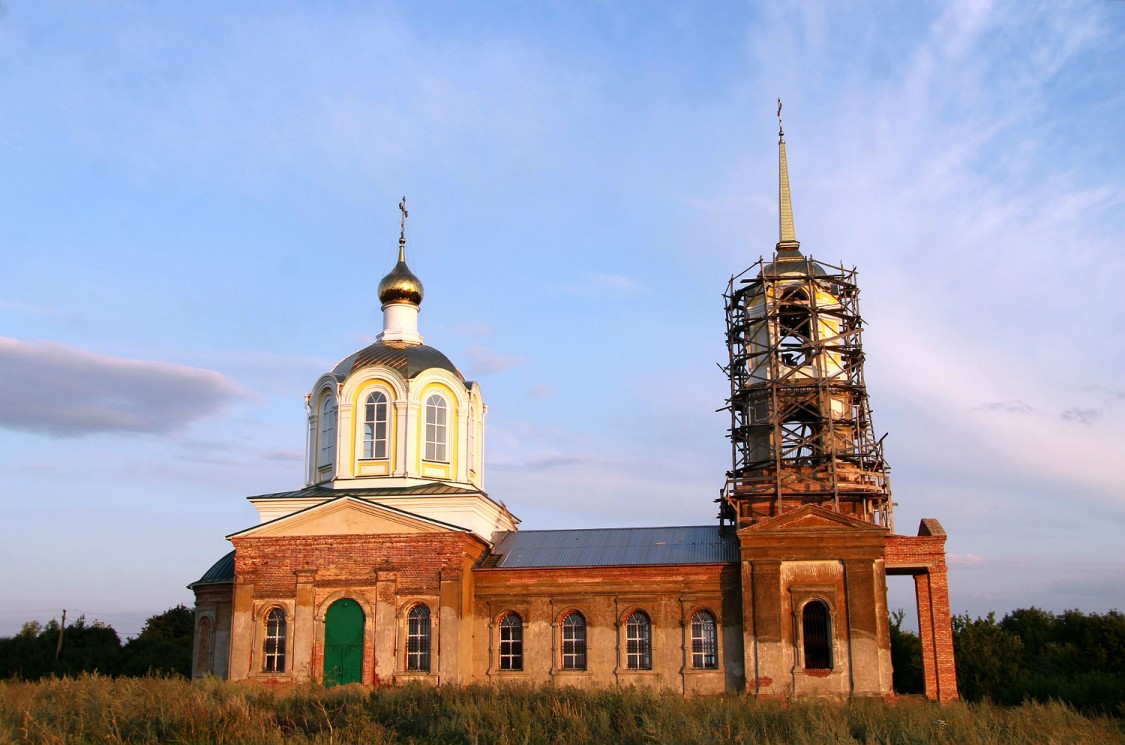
x: 923, y: 557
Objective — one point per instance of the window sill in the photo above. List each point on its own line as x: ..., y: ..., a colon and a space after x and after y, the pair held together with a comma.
x: 262, y: 675
x: 817, y: 672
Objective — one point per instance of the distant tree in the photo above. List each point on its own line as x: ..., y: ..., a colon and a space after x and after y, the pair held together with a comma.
x: 26, y: 655
x: 88, y: 648
x: 30, y: 654
x: 163, y: 646
x: 989, y: 659
x: 1074, y: 657
x: 906, y: 657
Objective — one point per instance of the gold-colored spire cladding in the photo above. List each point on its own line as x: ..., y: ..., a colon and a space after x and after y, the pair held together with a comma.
x: 401, y: 286
x: 787, y: 234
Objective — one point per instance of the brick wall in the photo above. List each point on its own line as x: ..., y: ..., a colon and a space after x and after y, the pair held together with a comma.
x: 342, y: 560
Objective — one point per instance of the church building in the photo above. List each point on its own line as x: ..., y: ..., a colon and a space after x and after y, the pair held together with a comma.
x: 393, y: 564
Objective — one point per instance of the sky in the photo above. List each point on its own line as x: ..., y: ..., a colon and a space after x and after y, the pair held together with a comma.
x: 198, y: 200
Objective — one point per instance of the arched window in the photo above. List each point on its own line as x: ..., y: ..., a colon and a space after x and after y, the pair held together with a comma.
x: 511, y: 642
x: 327, y: 438
x: 704, y: 641
x: 437, y: 437
x: 375, y: 426
x: 816, y: 636
x: 795, y: 336
x: 418, y: 639
x: 574, y: 641
x: 274, y: 649
x: 638, y: 641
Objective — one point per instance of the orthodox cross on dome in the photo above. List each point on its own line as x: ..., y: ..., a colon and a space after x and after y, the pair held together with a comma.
x: 402, y: 230
x: 780, y: 129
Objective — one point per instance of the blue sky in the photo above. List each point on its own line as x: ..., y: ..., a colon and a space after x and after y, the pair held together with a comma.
x: 200, y: 199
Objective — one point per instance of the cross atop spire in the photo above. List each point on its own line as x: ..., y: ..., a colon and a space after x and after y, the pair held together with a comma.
x: 787, y: 234
x: 402, y: 230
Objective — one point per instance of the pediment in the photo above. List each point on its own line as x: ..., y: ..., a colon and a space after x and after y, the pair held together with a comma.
x: 810, y: 518
x: 347, y: 516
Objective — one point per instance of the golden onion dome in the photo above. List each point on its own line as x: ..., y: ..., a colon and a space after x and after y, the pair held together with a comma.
x: 401, y: 286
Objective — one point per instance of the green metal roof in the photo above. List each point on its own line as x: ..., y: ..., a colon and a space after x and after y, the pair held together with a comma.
x: 221, y: 572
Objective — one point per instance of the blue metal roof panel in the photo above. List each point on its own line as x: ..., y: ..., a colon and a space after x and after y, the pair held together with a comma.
x: 613, y: 547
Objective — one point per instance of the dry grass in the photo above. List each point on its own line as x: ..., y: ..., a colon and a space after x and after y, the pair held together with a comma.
x: 93, y: 709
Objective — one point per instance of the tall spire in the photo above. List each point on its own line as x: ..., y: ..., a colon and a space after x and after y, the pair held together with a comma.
x: 787, y: 234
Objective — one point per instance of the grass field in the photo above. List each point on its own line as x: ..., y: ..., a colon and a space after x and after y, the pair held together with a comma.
x: 93, y: 709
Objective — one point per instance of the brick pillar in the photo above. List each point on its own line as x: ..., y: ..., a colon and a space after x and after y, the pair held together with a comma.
x: 935, y: 628
x: 945, y: 669
x: 926, y: 633
x: 303, y: 639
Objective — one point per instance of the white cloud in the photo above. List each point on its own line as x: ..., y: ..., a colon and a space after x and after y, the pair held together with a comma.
x: 483, y: 361
x: 66, y: 392
x: 969, y: 558
x: 601, y: 283
x: 542, y: 391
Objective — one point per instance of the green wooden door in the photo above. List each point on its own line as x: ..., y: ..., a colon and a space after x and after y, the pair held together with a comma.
x: 343, y: 643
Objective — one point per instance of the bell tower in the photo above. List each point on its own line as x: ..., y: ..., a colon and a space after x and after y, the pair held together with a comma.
x: 801, y: 431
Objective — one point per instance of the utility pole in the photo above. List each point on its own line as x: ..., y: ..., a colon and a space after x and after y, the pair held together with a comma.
x: 62, y: 627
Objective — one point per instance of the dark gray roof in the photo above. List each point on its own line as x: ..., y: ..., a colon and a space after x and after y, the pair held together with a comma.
x: 407, y: 359
x: 220, y: 572
x: 436, y: 488
x: 700, y: 544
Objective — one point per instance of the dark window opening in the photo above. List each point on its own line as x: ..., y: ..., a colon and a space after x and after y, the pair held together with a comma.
x: 817, y: 640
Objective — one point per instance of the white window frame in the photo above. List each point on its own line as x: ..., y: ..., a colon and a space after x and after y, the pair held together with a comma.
x: 419, y: 633
x: 704, y: 641
x: 573, y: 641
x: 374, y: 446
x: 326, y: 434
x: 638, y: 641
x: 511, y: 642
x: 437, y: 429
x: 273, y: 646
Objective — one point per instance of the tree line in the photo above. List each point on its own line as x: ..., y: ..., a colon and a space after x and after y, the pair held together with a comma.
x: 1030, y: 654
x: 38, y: 650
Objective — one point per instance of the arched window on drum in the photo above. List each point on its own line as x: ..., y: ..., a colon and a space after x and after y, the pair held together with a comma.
x: 375, y: 426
